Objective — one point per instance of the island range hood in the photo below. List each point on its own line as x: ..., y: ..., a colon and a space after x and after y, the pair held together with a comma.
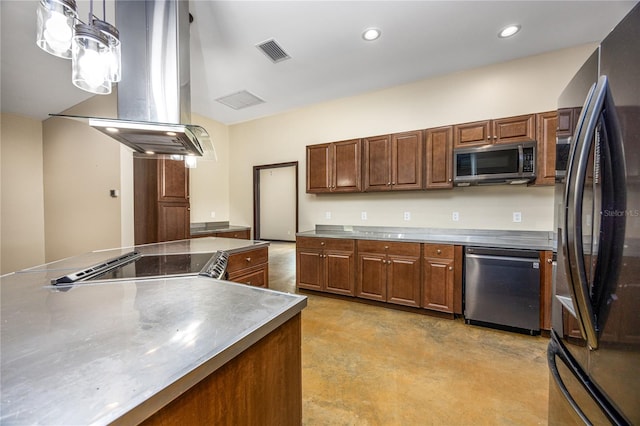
x: 154, y: 95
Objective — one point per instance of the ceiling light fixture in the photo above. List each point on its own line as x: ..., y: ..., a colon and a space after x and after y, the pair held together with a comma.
x: 509, y: 31
x: 371, y: 34
x: 94, y: 47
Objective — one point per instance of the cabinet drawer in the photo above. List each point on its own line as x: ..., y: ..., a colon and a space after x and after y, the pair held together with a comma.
x: 438, y: 251
x: 257, y: 277
x: 325, y: 243
x: 388, y: 247
x: 247, y: 259
x: 242, y: 235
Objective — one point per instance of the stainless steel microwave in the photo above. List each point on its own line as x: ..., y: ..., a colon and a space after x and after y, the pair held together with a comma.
x: 495, y: 164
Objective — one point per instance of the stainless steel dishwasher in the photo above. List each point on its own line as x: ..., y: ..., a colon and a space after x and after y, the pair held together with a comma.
x: 502, y: 288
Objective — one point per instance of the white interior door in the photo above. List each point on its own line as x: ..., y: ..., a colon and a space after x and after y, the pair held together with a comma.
x: 278, y: 203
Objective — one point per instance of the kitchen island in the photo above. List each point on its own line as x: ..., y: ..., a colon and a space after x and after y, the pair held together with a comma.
x: 186, y: 349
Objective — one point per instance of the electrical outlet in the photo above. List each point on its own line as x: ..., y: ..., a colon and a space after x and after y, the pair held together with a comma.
x: 455, y: 216
x: 363, y: 215
x: 327, y: 215
x: 407, y: 215
x: 517, y: 216
x: 213, y: 215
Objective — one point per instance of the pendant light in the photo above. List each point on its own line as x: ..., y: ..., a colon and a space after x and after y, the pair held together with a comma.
x: 94, y: 47
x: 56, y: 19
x: 89, y: 60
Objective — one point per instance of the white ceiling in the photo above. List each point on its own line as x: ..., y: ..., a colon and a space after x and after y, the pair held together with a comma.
x: 329, y: 59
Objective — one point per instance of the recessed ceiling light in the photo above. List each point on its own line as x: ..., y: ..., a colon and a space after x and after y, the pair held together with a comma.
x: 508, y: 31
x: 371, y: 34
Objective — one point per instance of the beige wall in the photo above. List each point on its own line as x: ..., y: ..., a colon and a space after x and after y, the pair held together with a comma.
x: 22, y: 202
x: 209, y: 181
x: 522, y: 86
x: 81, y: 165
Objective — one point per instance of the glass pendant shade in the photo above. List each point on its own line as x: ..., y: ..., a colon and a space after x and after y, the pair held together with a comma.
x: 90, y: 53
x: 56, y: 19
x: 113, y: 37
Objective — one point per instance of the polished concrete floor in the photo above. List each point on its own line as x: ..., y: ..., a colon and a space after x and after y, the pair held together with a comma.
x: 368, y: 365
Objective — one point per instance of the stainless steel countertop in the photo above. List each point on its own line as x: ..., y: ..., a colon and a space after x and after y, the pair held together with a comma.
x: 534, y: 240
x: 97, y: 353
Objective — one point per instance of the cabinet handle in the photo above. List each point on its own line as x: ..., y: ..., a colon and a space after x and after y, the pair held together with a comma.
x: 248, y: 259
x: 393, y: 183
x: 451, y: 268
x: 549, y: 261
x: 388, y: 183
x: 386, y: 247
x: 439, y: 251
x: 322, y: 243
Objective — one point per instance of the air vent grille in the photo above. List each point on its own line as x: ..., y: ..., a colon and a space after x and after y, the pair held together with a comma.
x: 273, y: 51
x: 240, y: 100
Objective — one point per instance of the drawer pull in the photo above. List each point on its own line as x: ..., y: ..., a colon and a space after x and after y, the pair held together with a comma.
x: 451, y: 268
x: 322, y: 243
x: 248, y: 259
x: 439, y: 251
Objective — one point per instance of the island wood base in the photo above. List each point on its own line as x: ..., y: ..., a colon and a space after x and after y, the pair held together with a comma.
x: 260, y: 386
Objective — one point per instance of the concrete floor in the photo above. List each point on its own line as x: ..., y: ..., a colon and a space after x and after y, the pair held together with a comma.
x: 367, y: 365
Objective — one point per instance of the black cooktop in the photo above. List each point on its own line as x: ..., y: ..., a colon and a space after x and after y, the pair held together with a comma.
x: 134, y: 265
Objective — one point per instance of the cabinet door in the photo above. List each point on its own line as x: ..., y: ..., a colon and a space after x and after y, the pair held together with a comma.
x: 257, y: 277
x: 471, y: 134
x: 403, y: 280
x: 566, y: 122
x: 339, y: 272
x: 309, y: 269
x: 439, y: 157
x: 546, y: 148
x: 173, y: 182
x: 438, y: 284
x: 319, y: 168
x: 173, y: 221
x: 406, y: 161
x: 377, y: 163
x: 514, y: 129
x: 372, y: 276
x: 347, y: 170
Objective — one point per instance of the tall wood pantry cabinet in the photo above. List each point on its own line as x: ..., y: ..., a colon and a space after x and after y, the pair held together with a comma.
x: 161, y: 200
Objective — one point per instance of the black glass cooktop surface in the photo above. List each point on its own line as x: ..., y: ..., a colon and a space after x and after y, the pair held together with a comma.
x: 157, y: 265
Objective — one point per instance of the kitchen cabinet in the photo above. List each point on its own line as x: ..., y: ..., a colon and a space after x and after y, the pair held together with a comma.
x: 326, y: 264
x: 393, y: 162
x: 439, y: 157
x: 161, y: 200
x: 249, y: 267
x: 389, y: 272
x: 442, y: 278
x: 547, y: 124
x: 502, y: 130
x: 567, y: 121
x: 334, y: 167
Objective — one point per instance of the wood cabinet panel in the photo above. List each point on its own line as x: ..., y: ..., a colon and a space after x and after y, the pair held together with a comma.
x: 566, y: 122
x: 406, y: 160
x: 318, y: 168
x: 546, y: 288
x: 257, y: 276
x: 403, y: 280
x: 326, y: 265
x: 309, y: 270
x: 173, y: 221
x: 247, y: 259
x: 339, y: 272
x: 346, y: 174
x: 372, y: 276
x: 547, y: 124
x: 241, y: 235
x: 173, y: 181
x: 520, y: 128
x: 439, y: 251
x: 439, y: 157
x: 438, y: 284
x: 377, y: 163
x: 471, y: 134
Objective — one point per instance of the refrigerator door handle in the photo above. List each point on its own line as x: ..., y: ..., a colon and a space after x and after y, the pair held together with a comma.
x: 574, y: 193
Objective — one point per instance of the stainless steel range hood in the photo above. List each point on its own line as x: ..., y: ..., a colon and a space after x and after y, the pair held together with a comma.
x: 154, y: 96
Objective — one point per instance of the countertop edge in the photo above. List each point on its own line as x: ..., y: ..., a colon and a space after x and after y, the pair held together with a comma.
x: 156, y: 402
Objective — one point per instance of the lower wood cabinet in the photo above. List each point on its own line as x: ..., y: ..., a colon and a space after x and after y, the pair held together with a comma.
x: 442, y: 278
x: 325, y: 264
x: 250, y: 267
x: 389, y: 272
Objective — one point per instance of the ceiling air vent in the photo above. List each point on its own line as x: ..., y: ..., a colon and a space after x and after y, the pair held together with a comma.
x: 240, y: 100
x: 273, y: 51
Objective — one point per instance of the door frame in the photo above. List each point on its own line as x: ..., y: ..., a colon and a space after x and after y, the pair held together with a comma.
x: 256, y: 193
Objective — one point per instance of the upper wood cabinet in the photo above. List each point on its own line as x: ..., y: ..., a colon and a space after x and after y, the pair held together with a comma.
x: 547, y: 124
x: 566, y: 122
x: 334, y: 167
x: 439, y: 157
x: 503, y: 130
x: 393, y: 162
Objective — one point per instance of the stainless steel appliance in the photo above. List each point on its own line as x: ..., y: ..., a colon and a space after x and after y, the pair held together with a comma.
x: 594, y: 352
x: 502, y: 288
x: 134, y: 265
x: 494, y: 164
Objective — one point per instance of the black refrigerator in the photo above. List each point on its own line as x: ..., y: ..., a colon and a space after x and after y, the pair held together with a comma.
x: 594, y: 350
